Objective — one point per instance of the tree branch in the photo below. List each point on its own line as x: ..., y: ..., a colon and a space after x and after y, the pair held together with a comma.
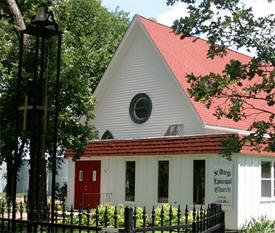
x: 240, y: 96
x: 257, y: 45
x: 227, y: 98
x: 259, y: 109
x: 16, y: 16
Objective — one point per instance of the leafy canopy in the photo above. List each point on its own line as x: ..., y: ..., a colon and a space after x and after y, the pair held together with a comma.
x: 91, y: 35
x: 229, y: 23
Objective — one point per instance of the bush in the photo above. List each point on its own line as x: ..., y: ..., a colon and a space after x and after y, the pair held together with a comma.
x: 120, y: 216
x: 166, y: 222
x: 101, y: 216
x: 261, y: 225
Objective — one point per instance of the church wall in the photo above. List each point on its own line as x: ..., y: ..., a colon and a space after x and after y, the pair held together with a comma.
x: 142, y: 71
x: 113, y: 170
x: 245, y: 200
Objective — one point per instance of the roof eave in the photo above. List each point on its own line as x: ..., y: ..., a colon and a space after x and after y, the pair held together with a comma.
x: 227, y: 129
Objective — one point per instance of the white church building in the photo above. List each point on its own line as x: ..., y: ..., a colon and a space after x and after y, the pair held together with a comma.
x: 160, y: 146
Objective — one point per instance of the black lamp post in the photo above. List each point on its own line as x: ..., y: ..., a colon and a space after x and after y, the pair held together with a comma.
x: 42, y: 27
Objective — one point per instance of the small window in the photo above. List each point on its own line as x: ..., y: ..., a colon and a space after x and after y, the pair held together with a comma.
x: 174, y: 130
x: 107, y: 135
x: 163, y: 181
x: 130, y: 181
x: 199, y: 182
x: 80, y: 177
x: 94, y: 175
x: 140, y: 108
x: 266, y: 179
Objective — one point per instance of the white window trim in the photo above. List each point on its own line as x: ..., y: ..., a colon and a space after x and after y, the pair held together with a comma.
x: 272, y: 198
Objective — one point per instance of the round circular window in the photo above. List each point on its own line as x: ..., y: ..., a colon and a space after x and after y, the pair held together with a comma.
x: 140, y: 108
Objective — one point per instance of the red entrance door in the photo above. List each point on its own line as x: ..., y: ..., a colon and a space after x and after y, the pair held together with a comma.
x: 87, y: 184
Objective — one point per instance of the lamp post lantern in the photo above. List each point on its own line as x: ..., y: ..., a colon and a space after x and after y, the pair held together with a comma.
x: 42, y: 27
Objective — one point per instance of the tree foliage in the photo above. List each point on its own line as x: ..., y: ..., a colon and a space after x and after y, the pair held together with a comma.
x: 229, y: 23
x: 91, y: 35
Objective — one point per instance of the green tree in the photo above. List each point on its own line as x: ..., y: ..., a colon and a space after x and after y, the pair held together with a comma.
x: 91, y: 36
x: 11, y: 21
x: 229, y: 23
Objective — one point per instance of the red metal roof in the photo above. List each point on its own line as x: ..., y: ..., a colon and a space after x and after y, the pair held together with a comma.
x: 185, y: 57
x: 206, y: 144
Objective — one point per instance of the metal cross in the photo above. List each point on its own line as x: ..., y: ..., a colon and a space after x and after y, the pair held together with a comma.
x: 25, y: 108
x: 44, y: 108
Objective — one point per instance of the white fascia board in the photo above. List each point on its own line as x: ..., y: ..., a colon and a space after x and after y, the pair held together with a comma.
x: 115, y: 61
x: 171, y: 73
x: 231, y: 130
x: 227, y: 129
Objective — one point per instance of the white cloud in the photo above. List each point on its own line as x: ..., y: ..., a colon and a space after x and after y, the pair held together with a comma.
x: 261, y: 7
x: 177, y: 11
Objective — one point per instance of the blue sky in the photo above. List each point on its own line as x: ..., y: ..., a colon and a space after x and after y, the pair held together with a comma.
x: 157, y: 9
x: 167, y: 14
x: 146, y: 8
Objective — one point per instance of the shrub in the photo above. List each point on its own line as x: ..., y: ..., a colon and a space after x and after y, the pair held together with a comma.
x: 261, y: 225
x: 166, y: 208
x: 101, y: 216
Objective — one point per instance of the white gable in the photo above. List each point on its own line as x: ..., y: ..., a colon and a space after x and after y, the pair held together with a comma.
x: 139, y: 69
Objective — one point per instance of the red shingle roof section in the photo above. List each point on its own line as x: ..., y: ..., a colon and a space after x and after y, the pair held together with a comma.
x: 185, y: 57
x: 206, y: 144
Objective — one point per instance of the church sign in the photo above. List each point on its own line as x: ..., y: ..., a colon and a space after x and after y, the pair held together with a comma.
x: 223, y: 184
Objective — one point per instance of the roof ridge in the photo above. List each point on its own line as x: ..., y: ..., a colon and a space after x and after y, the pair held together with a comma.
x: 153, y: 21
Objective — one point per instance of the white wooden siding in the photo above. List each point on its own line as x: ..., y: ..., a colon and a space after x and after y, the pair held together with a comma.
x: 142, y: 71
x: 70, y: 184
x: 146, y: 183
x: 250, y: 203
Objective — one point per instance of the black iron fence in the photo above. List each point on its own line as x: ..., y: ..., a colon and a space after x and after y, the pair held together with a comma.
x: 113, y: 219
